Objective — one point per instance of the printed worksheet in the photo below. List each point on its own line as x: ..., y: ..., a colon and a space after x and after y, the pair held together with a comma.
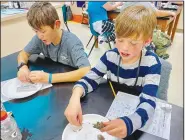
x: 125, y: 104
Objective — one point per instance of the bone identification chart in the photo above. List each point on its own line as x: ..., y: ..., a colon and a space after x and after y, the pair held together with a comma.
x: 125, y: 104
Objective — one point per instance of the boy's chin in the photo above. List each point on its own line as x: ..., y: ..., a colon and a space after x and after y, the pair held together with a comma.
x: 127, y: 59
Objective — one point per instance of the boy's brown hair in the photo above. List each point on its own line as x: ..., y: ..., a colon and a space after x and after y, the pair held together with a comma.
x: 134, y: 21
x: 42, y: 14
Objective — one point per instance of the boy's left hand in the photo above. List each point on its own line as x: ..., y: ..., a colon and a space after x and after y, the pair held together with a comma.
x: 39, y: 77
x: 115, y: 128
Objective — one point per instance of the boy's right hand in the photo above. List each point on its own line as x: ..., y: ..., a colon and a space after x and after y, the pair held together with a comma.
x: 73, y: 111
x: 23, y: 74
x: 120, y: 3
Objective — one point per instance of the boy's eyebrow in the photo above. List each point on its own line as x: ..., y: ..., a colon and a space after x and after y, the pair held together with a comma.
x: 136, y: 40
x: 131, y: 39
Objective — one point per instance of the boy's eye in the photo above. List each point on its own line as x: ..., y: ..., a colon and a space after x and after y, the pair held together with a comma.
x: 133, y: 42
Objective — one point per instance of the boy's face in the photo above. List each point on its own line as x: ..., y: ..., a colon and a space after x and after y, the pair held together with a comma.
x: 130, y: 48
x: 47, y: 34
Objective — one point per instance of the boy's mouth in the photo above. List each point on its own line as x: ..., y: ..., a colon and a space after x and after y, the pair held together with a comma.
x: 44, y: 41
x: 124, y: 54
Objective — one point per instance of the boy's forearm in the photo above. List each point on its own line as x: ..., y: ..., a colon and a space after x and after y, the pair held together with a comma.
x: 163, y: 13
x: 145, y: 111
x: 23, y: 57
x: 114, y: 7
x: 77, y: 94
x: 71, y: 76
x: 110, y: 7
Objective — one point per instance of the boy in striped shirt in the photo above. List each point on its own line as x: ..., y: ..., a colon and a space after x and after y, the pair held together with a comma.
x: 129, y: 67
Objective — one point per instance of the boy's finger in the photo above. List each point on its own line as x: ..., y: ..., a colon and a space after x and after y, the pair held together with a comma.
x: 107, y: 128
x: 75, y: 121
x: 106, y: 123
x: 113, y: 132
x: 32, y: 76
x: 80, y: 117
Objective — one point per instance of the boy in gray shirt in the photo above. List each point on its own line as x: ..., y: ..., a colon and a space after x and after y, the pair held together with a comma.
x: 59, y: 45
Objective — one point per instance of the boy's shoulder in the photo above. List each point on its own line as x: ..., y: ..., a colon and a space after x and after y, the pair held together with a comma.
x: 112, y: 51
x: 71, y: 41
x: 151, y: 58
x: 112, y: 54
x: 68, y: 36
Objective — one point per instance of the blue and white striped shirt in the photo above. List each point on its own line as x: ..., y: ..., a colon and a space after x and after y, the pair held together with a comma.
x: 147, y: 84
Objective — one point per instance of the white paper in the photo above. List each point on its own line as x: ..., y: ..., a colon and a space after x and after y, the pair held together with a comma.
x: 4, y: 98
x: 125, y: 104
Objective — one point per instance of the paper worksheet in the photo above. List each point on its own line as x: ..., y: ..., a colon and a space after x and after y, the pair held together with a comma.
x: 125, y: 104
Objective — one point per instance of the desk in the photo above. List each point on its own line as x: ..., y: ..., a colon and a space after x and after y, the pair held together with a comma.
x: 41, y: 116
x: 168, y: 24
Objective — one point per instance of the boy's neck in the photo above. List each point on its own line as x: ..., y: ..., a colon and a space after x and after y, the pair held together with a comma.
x: 131, y: 61
x: 58, y: 38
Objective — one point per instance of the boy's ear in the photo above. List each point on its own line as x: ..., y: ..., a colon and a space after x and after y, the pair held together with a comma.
x: 57, y: 24
x: 148, y: 40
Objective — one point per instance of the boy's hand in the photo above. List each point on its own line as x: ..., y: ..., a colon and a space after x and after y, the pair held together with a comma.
x: 23, y: 74
x: 115, y: 128
x: 73, y: 111
x: 39, y: 77
x: 119, y: 3
x: 172, y: 14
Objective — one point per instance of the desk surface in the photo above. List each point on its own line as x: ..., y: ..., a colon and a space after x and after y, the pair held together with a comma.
x: 41, y: 116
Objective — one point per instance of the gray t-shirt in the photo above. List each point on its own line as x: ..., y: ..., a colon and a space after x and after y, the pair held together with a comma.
x: 146, y: 4
x: 70, y: 50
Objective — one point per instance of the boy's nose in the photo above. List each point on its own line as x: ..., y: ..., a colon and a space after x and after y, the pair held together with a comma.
x: 125, y: 47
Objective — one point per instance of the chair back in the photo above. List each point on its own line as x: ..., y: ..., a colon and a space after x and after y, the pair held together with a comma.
x: 93, y: 32
x: 166, y: 68
x: 64, y: 13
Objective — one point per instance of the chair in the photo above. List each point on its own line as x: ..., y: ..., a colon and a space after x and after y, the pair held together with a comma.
x: 94, y: 33
x: 84, y: 13
x: 64, y: 12
x: 166, y: 68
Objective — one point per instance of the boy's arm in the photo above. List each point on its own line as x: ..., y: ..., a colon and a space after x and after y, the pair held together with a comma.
x: 80, y: 61
x: 23, y: 72
x: 109, y: 7
x: 164, y: 13
x: 23, y: 57
x: 71, y: 76
x: 91, y: 81
x: 145, y: 109
x: 31, y: 48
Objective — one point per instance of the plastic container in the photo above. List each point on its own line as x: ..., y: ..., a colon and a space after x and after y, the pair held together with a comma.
x: 9, y: 129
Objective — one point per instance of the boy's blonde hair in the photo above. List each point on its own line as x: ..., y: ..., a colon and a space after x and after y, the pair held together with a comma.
x: 135, y: 21
x: 42, y: 14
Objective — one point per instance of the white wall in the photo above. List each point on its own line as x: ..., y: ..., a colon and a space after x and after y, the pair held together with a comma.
x: 76, y: 10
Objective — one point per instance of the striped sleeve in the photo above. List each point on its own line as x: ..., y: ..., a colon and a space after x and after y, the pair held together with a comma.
x: 91, y: 81
x: 146, y: 108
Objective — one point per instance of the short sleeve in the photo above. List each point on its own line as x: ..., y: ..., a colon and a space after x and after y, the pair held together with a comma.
x: 33, y: 47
